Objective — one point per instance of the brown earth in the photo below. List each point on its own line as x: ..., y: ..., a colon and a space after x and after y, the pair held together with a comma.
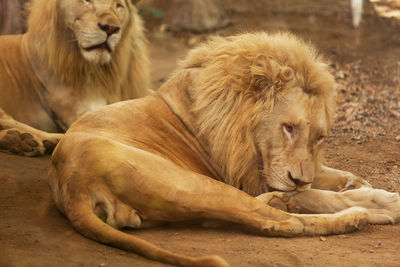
x: 365, y: 140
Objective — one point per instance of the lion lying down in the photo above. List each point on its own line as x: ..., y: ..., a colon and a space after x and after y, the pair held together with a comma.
x: 76, y: 56
x: 239, y: 126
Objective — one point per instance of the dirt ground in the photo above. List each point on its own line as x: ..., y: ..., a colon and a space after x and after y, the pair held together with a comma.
x: 365, y: 140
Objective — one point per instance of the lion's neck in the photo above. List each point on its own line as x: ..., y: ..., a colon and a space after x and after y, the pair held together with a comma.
x: 174, y: 94
x: 232, y: 156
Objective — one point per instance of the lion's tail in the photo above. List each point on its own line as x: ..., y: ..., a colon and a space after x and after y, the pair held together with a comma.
x: 88, y: 224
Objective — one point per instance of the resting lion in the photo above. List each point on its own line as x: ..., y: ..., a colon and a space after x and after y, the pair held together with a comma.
x: 77, y: 55
x: 240, y: 125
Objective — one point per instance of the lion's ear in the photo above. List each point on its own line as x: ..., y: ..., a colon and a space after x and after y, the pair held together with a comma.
x: 286, y: 74
x: 266, y: 73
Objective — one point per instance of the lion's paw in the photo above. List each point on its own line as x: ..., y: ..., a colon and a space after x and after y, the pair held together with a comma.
x: 51, y: 141
x: 25, y: 144
x: 384, y: 206
x: 353, y: 218
x: 281, y: 201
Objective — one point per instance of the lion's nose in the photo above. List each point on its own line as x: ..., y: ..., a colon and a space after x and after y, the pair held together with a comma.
x: 109, y: 29
x: 297, y: 182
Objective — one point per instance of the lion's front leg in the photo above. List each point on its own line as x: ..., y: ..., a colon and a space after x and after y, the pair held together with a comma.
x: 337, y: 180
x: 19, y: 138
x: 383, y: 206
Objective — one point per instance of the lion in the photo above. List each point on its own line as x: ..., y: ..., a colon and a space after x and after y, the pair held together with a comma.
x: 76, y: 56
x: 236, y: 131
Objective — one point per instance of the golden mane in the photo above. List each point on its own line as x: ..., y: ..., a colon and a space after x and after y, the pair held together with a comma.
x: 241, y: 78
x: 53, y: 44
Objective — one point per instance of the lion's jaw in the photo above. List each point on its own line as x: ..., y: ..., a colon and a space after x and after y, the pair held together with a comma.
x: 296, y: 128
x: 97, y: 26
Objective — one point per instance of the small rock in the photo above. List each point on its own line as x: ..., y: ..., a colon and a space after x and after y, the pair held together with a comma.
x: 397, y: 138
x: 102, y: 265
x: 379, y: 244
x: 322, y: 238
x: 355, y: 125
x: 349, y: 112
x: 340, y: 74
x: 394, y: 113
x: 343, y: 236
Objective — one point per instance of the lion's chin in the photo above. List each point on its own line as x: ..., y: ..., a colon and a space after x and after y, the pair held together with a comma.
x: 289, y: 189
x: 280, y: 187
x: 303, y: 188
x: 97, y: 56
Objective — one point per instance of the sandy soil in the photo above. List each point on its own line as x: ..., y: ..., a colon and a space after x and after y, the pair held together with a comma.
x: 364, y: 141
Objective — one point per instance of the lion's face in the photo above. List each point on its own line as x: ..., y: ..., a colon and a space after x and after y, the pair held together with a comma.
x: 289, y: 140
x: 97, y: 26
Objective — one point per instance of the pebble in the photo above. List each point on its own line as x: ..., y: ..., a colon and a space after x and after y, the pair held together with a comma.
x: 322, y: 238
x: 355, y: 125
x: 340, y: 74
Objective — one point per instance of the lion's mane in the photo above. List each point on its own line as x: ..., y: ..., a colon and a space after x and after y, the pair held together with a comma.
x: 241, y: 78
x: 51, y: 43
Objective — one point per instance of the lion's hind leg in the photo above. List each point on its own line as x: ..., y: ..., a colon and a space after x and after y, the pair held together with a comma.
x: 21, y: 139
x: 99, y: 218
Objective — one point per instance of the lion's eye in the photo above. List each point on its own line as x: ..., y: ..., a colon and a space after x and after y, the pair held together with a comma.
x: 119, y: 5
x: 320, y: 139
x: 288, y: 128
x: 87, y: 1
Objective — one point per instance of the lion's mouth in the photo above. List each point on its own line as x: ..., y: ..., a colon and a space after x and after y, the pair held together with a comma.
x: 103, y: 46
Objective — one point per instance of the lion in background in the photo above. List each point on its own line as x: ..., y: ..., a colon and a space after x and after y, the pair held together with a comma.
x: 237, y: 130
x: 76, y: 56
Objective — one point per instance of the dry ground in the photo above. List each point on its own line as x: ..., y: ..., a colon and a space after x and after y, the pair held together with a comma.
x: 364, y: 141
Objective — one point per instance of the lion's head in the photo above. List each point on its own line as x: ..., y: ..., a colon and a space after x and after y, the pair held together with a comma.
x: 97, y: 25
x: 264, y: 106
x: 87, y: 41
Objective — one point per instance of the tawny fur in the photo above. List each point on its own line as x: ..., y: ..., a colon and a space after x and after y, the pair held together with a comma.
x: 51, y: 43
x: 232, y: 70
x: 47, y: 83
x: 238, y: 115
